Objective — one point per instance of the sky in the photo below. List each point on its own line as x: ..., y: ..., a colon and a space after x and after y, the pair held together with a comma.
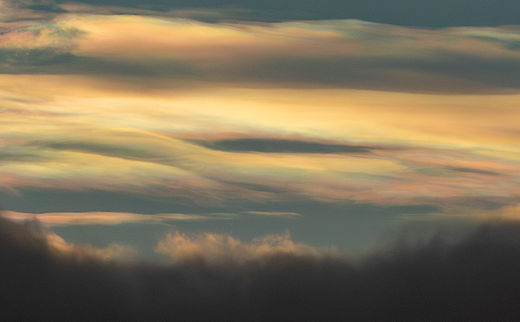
x: 235, y: 131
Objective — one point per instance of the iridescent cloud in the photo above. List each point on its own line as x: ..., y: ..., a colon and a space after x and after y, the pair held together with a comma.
x: 240, y: 115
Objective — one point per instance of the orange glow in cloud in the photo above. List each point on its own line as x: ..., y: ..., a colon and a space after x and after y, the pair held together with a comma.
x: 80, y: 129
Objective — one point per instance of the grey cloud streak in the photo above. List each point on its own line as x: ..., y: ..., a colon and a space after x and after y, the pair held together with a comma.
x: 446, y: 73
x: 268, y: 145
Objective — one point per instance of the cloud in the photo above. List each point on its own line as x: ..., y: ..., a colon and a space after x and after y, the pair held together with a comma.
x: 101, y: 218
x: 29, y: 232
x: 280, y: 146
x: 118, y: 128
x: 104, y: 149
x: 208, y: 14
x: 218, y: 248
x: 113, y: 252
x: 468, y: 276
x: 473, y: 170
x: 292, y: 54
x: 15, y: 154
x: 274, y: 213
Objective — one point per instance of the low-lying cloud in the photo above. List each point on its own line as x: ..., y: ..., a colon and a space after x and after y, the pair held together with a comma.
x: 472, y: 277
x: 219, y: 248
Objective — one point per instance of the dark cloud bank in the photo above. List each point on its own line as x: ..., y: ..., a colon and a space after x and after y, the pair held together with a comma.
x: 444, y: 72
x: 280, y: 146
x: 429, y: 13
x: 473, y: 278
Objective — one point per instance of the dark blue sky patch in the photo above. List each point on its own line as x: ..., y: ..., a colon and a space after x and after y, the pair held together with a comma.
x: 422, y: 13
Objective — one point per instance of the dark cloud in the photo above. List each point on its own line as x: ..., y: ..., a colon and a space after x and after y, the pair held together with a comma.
x: 473, y: 170
x: 401, y: 12
x: 50, y: 7
x: 48, y: 60
x: 473, y: 277
x: 102, y: 149
x: 15, y: 156
x: 441, y: 72
x: 27, y: 60
x: 280, y: 146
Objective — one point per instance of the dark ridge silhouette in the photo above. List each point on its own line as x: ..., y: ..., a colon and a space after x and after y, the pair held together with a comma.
x: 473, y: 279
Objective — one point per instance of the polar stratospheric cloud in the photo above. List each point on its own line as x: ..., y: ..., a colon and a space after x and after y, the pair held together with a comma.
x: 260, y: 160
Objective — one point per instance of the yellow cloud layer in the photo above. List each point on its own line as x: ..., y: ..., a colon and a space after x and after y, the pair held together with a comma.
x: 134, y: 133
x: 116, y: 36
x: 98, y: 218
x: 68, y: 132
